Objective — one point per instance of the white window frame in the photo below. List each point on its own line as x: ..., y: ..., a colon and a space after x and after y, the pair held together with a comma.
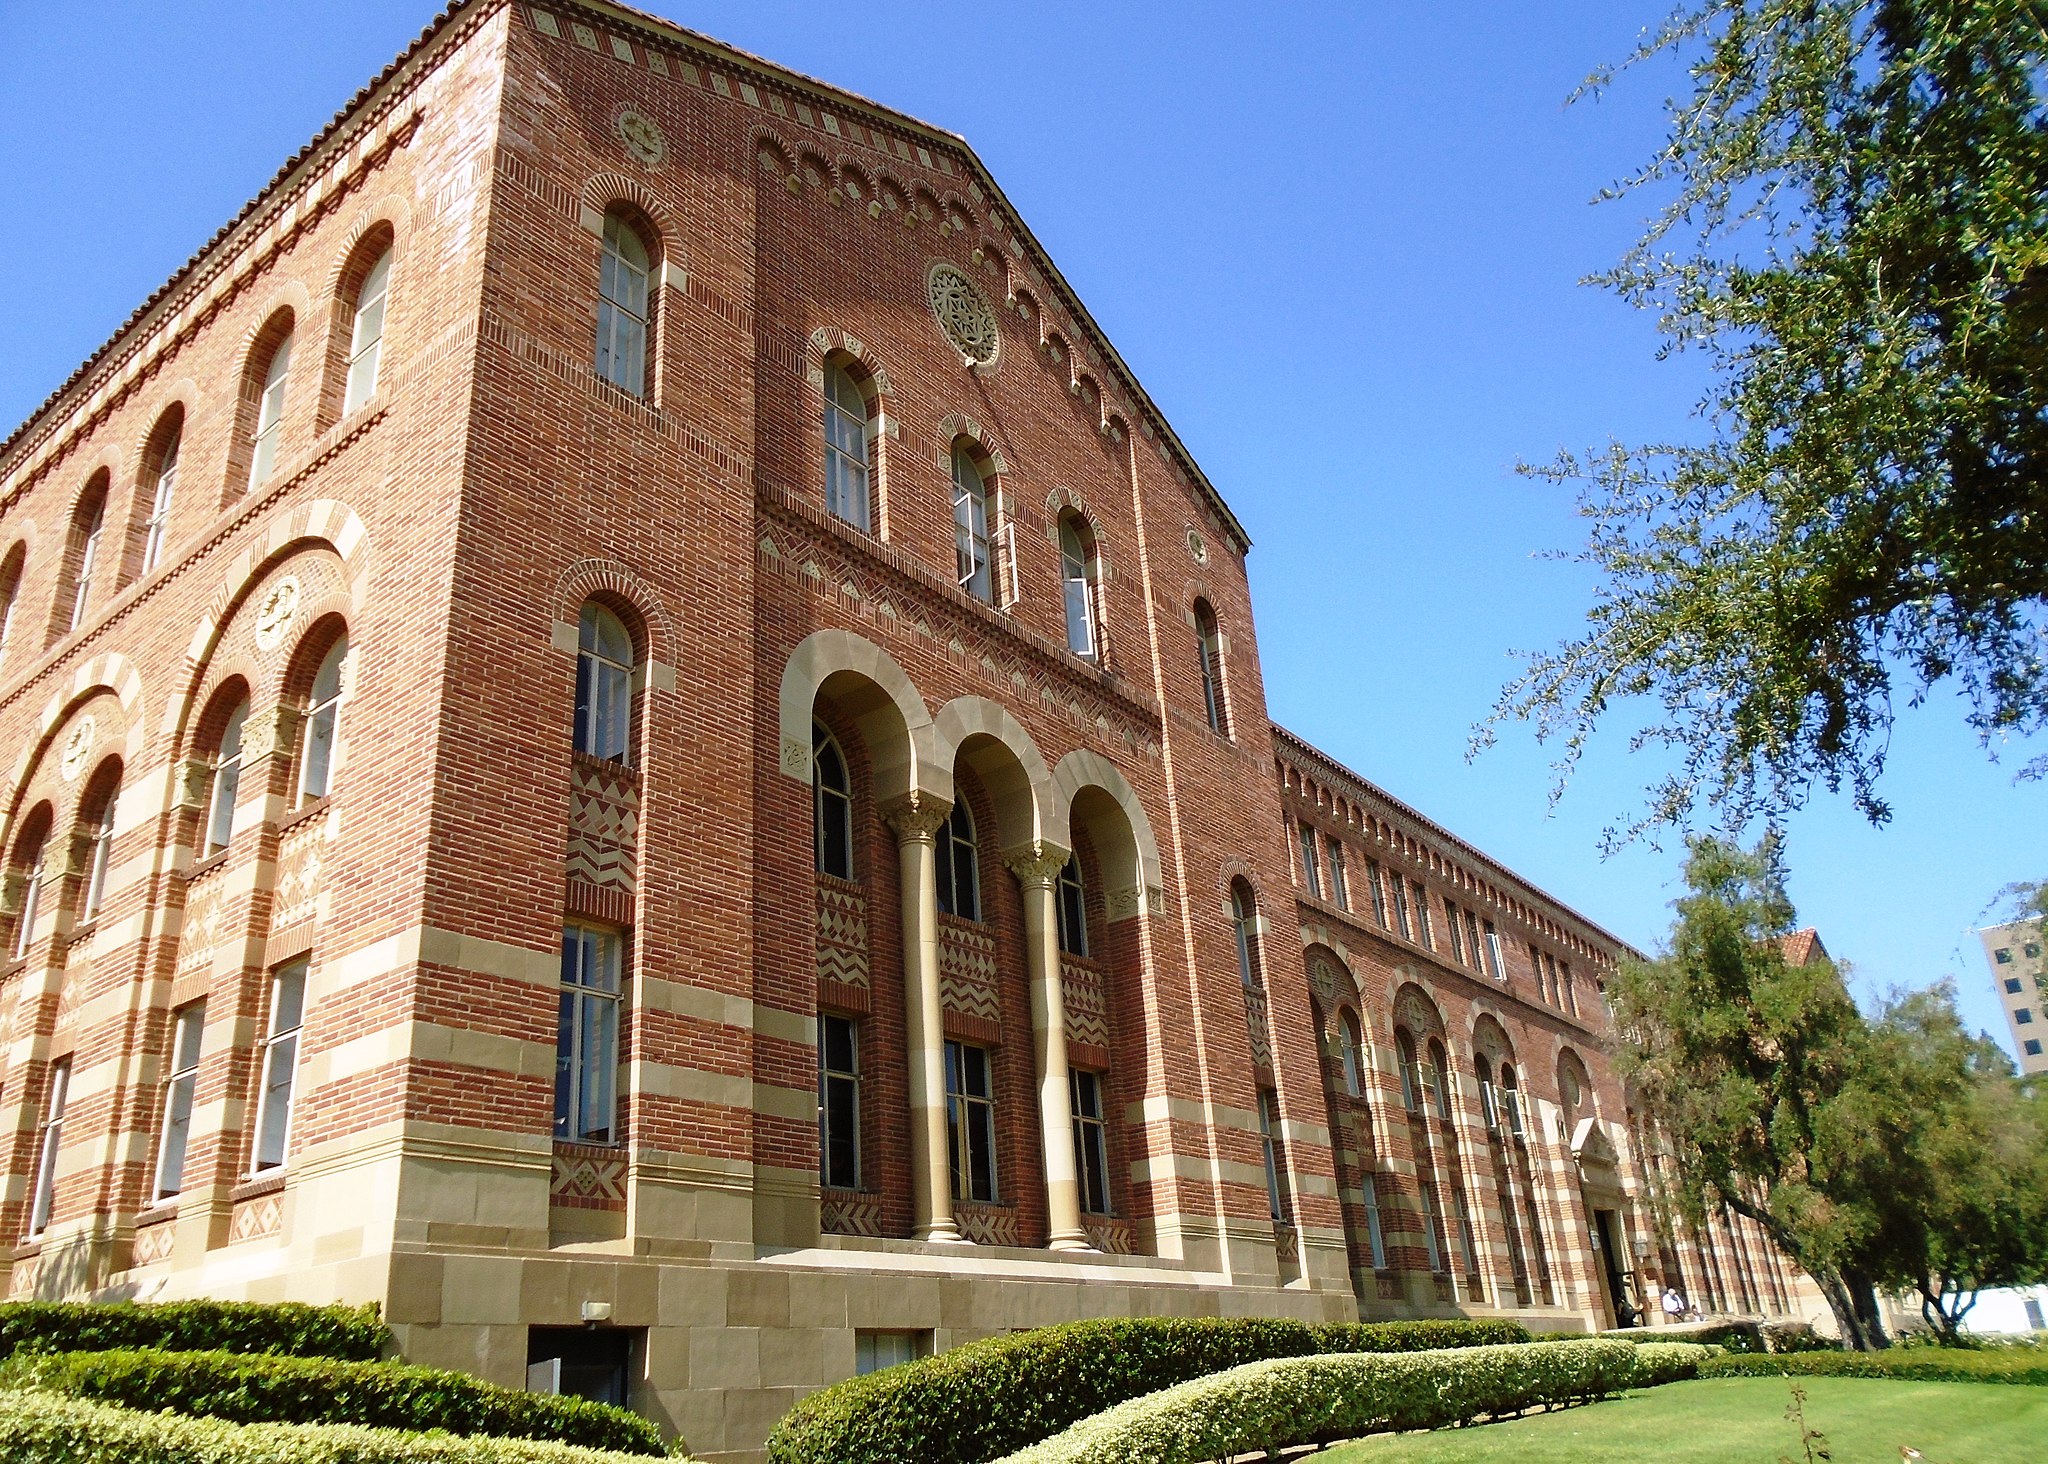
x: 270, y: 413
x: 227, y: 781
x: 31, y: 904
x: 277, y: 1068
x: 1078, y: 579
x: 366, y: 337
x: 1374, y: 1232
x: 49, y: 1143
x: 1271, y: 1143
x: 99, y: 856
x: 323, y: 724
x: 160, y: 505
x: 591, y: 1014
x: 848, y: 470
x: 625, y: 313
x: 973, y: 548
x: 181, y: 1086
x: 605, y: 671
x: 81, y: 588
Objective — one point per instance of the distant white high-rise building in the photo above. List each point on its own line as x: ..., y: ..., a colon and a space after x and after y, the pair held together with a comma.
x: 2021, y: 978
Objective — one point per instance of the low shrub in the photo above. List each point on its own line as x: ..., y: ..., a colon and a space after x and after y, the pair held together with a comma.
x: 1315, y: 1400
x: 41, y: 1428
x: 1733, y: 1336
x: 260, y: 1389
x: 1790, y: 1336
x: 1919, y: 1364
x: 351, y: 1333
x: 1669, y: 1362
x: 986, y: 1399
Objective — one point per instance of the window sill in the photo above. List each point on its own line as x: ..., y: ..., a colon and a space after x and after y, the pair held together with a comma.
x: 209, y: 864
x: 267, y: 1183
x: 590, y: 762
x: 304, y: 813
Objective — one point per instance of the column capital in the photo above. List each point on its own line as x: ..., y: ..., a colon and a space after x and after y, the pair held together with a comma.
x: 916, y: 816
x: 1037, y: 863
x: 272, y: 732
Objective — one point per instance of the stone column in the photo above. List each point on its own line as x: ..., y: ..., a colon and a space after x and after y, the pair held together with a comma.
x: 915, y: 820
x: 1038, y: 869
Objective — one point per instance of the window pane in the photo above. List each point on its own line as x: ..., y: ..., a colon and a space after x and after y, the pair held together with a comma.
x: 278, y: 1065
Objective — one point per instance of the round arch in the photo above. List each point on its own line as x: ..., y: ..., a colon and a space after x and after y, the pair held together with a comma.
x: 877, y: 694
x: 1099, y: 798
x: 1007, y: 760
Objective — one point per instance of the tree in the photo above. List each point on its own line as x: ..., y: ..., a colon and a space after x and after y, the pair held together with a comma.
x: 1856, y: 237
x: 1757, y: 1072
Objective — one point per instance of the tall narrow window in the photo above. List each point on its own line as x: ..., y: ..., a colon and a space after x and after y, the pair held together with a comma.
x: 316, y: 762
x: 1569, y: 987
x: 48, y: 1141
x: 1457, y: 932
x: 279, y: 1065
x: 1340, y: 891
x: 1472, y: 939
x: 99, y: 855
x: 1411, y: 1071
x: 1091, y: 1141
x: 1433, y: 1223
x: 1536, y: 970
x: 970, y: 525
x: 604, y: 685
x: 160, y: 502
x: 188, y: 1026
x: 366, y: 341
x: 1437, y: 1078
x: 1272, y: 1147
x: 959, y: 865
x: 587, y: 1037
x: 88, y: 526
x: 622, y: 306
x: 1550, y: 976
x: 227, y: 781
x: 1245, y: 928
x: 971, y: 1122
x: 1468, y: 1250
x: 1399, y: 888
x: 838, y: 1103
x: 831, y: 806
x: 1374, y: 1234
x: 31, y: 901
x: 1377, y: 888
x: 1072, y: 908
x: 10, y: 595
x: 270, y: 414
x: 1349, y: 1040
x: 1311, y: 879
x: 1209, y: 650
x: 1077, y: 581
x: 846, y: 448
x: 1425, y: 932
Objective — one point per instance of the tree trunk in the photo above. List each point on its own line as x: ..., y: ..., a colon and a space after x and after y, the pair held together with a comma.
x: 1863, y: 1293
x: 1841, y: 1291
x: 1936, y: 1316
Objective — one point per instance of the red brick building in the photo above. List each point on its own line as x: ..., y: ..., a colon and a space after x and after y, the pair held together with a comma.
x: 623, y: 713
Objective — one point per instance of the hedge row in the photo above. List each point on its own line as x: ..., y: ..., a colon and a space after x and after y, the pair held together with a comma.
x: 268, y: 1389
x: 986, y: 1399
x: 1669, y: 1362
x: 350, y: 1333
x: 39, y: 1428
x: 1315, y: 1400
x: 1918, y: 1364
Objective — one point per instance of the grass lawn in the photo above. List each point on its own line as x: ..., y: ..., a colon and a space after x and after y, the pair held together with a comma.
x: 1742, y: 1421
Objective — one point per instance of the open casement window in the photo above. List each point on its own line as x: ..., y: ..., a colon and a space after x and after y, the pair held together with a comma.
x: 604, y: 686
x: 1437, y: 1078
x: 1411, y: 1070
x: 587, y: 1045
x: 10, y: 596
x: 1091, y: 1141
x: 323, y: 710
x: 1078, y: 578
x: 1274, y: 1150
x: 161, y: 494
x: 270, y: 414
x: 188, y: 1026
x: 31, y: 900
x: 1244, y: 928
x: 1209, y: 651
x: 831, y: 806
x: 971, y: 1122
x: 959, y: 865
x: 846, y: 448
x: 1510, y: 1100
x: 1457, y: 932
x: 970, y: 526
x: 279, y: 1064
x: 99, y: 855
x: 622, y: 308
x: 366, y: 336
x: 1375, y: 1235
x: 49, y: 1140
x: 838, y: 1103
x: 1071, y: 908
x: 227, y: 781
x: 1496, y: 964
x: 87, y: 528
x: 1350, y: 1046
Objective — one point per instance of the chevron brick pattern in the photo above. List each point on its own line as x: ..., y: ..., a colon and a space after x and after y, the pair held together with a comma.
x: 967, y: 971
x: 1087, y: 1004
x: 988, y: 1224
x: 299, y: 860
x: 842, y: 934
x: 604, y: 824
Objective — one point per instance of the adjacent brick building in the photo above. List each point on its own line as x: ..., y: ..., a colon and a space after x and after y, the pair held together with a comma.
x: 623, y: 714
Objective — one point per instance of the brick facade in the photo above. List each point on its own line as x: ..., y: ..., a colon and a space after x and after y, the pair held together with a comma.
x: 454, y: 525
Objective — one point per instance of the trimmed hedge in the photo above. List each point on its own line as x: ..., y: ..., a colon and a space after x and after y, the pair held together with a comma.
x: 1669, y: 1362
x: 1315, y: 1400
x: 986, y: 1399
x: 350, y: 1333
x: 1919, y: 1364
x: 40, y: 1428
x: 260, y: 1389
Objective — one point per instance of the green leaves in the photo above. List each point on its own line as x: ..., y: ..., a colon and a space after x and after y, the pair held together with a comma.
x: 290, y: 1328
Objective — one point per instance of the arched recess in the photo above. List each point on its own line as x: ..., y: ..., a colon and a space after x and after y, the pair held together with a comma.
x: 1003, y: 755
x: 1100, y: 799
x: 44, y: 770
x: 616, y: 584
x: 865, y: 682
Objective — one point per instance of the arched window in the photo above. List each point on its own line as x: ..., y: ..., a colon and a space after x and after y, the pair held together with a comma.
x: 1244, y: 928
x: 1210, y: 650
x: 316, y: 760
x: 1489, y: 1098
x: 270, y: 413
x: 622, y: 312
x: 1077, y: 581
x: 846, y: 447
x: 366, y: 340
x: 1411, y: 1070
x: 1072, y: 908
x: 1438, y: 1076
x: 166, y: 469
x: 959, y: 866
x: 604, y: 685
x: 1351, y: 1044
x: 831, y: 806
x: 86, y: 525
x: 10, y: 593
x: 970, y: 525
x: 99, y: 853
x: 227, y: 779
x: 31, y: 866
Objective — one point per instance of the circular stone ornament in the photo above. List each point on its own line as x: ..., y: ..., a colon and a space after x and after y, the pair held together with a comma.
x: 77, y: 749
x: 1198, y: 547
x: 642, y: 138
x: 275, y: 615
x: 963, y: 314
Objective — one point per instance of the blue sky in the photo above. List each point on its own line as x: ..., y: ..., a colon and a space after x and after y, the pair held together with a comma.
x: 1339, y: 243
